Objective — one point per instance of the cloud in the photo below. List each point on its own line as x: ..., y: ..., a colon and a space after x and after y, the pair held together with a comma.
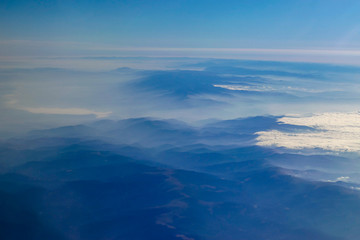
x: 340, y: 179
x: 328, y: 121
x: 244, y: 88
x: 68, y: 111
x: 11, y: 48
x: 332, y: 131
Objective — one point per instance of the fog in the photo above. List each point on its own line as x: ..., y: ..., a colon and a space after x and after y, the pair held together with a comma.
x: 55, y: 92
x: 190, y: 148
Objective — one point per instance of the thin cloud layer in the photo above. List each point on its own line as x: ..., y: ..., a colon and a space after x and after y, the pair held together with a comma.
x: 68, y: 111
x: 332, y: 131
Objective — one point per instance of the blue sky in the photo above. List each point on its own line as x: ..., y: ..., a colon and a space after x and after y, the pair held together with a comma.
x: 298, y: 24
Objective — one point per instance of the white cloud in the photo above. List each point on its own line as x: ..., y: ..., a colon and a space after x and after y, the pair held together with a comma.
x: 328, y: 121
x: 243, y: 88
x: 340, y: 179
x: 332, y: 131
x: 265, y: 88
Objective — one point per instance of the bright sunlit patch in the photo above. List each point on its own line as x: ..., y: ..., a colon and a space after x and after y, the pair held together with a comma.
x: 332, y: 131
x: 68, y: 111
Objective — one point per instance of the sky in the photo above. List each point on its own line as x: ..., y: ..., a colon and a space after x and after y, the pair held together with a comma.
x: 277, y: 24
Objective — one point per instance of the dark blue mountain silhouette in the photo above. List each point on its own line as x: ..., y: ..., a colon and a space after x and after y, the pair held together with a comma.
x: 89, y: 186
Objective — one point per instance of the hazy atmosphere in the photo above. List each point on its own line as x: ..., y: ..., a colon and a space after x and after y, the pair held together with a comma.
x: 187, y: 120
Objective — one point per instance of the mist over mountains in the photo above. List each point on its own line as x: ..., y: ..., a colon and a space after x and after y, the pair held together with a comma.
x: 179, y: 148
x: 187, y: 89
x: 146, y: 178
x: 179, y: 120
